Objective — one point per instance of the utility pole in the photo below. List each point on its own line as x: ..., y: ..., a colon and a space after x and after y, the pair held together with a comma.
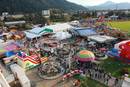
x: 116, y: 7
x: 70, y: 61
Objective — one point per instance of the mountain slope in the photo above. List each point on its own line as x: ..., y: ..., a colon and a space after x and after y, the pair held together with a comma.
x: 36, y: 5
x: 111, y: 5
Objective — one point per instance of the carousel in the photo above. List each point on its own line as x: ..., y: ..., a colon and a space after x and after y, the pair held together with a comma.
x: 101, y: 54
x: 50, y: 70
x: 64, y: 49
x: 85, y: 56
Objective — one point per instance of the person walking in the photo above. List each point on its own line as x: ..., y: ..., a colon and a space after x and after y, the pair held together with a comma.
x: 96, y: 75
x: 116, y: 82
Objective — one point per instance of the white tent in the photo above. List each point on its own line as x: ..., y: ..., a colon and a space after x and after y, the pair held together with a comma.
x: 101, y: 38
x: 62, y: 35
x: 75, y: 23
x: 59, y: 27
x: 36, y: 30
x: 31, y: 35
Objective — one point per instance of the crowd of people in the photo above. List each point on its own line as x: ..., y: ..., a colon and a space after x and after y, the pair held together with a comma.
x: 92, y: 70
x: 96, y: 72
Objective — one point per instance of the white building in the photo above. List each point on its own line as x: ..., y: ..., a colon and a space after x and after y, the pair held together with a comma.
x: 15, y: 22
x: 5, y: 14
x: 46, y: 13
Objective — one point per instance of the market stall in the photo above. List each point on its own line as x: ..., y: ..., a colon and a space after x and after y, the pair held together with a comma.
x: 62, y: 35
x: 101, y: 38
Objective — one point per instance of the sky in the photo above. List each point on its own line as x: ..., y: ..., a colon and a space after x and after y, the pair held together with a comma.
x: 95, y: 2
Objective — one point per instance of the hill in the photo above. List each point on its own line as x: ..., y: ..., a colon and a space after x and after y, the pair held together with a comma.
x: 27, y: 6
x: 110, y: 5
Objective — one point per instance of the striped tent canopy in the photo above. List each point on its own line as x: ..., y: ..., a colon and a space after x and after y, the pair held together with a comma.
x: 85, y: 55
x: 46, y: 30
x: 11, y: 47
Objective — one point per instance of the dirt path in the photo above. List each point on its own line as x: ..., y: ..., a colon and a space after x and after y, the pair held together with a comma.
x: 35, y: 79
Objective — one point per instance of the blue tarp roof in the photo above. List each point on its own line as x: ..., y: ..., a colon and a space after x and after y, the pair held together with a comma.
x: 85, y: 32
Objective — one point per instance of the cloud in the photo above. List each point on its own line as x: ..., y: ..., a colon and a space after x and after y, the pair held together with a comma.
x: 95, y: 2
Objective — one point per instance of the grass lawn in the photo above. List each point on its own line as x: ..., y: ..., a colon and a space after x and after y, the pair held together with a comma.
x: 115, y: 67
x: 88, y: 82
x: 111, y: 65
x: 124, y: 25
x: 93, y: 83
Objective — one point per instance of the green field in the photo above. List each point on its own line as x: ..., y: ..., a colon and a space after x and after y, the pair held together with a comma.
x: 123, y: 25
x: 115, y: 67
x: 88, y: 82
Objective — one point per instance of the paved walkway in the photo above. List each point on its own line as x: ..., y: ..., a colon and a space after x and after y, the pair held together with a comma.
x: 126, y: 82
x: 3, y: 82
x: 66, y: 83
x: 33, y: 76
x: 4, y: 70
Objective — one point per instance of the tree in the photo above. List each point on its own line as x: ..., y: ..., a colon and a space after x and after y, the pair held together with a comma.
x: 39, y: 19
x: 67, y: 18
x: 84, y: 82
x: 75, y: 17
x: 1, y: 23
x: 28, y: 18
x: 36, y: 18
x: 110, y: 13
x: 94, y: 14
